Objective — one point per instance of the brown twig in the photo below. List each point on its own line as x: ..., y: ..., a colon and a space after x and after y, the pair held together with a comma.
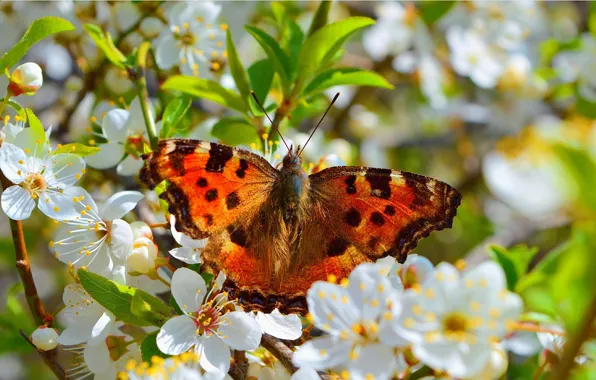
x: 280, y: 351
x: 24, y: 268
x: 50, y: 358
x: 240, y: 367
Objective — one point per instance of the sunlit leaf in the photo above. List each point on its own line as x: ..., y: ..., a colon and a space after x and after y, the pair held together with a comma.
x: 105, y: 43
x: 345, y: 76
x: 175, y: 111
x: 206, y: 89
x: 280, y: 60
x: 235, y: 131
x: 78, y: 149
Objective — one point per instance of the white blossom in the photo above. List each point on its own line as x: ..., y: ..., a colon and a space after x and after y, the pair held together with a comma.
x: 45, y: 338
x: 26, y: 79
x: 143, y: 255
x: 190, y: 250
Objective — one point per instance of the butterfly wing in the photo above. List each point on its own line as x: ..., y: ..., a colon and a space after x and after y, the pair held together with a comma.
x: 379, y: 212
x: 210, y: 186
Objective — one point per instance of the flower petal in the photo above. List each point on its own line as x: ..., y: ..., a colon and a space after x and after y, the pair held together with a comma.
x: 57, y: 206
x: 188, y: 289
x: 187, y: 255
x: 135, y: 124
x: 215, y: 355
x: 102, y: 327
x: 375, y: 359
x: 286, y: 327
x: 185, y: 240
x: 305, y: 373
x: 110, y: 155
x: 12, y: 162
x: 177, y: 335
x: 30, y: 142
x: 323, y: 353
x: 97, y: 357
x: 114, y: 125
x: 121, y: 239
x: 66, y: 170
x: 331, y: 307
x: 459, y: 360
x: 167, y: 53
x: 119, y: 204
x: 370, y: 288
x: 17, y: 203
x: 86, y: 199
x: 129, y: 166
x: 241, y: 332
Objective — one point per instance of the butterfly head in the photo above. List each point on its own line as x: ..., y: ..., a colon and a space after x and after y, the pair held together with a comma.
x: 292, y: 159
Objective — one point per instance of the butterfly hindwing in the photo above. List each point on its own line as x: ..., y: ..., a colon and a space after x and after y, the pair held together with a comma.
x: 209, y: 185
x: 381, y: 211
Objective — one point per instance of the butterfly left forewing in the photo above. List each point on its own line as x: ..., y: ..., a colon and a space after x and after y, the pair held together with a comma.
x: 381, y: 212
x: 210, y: 186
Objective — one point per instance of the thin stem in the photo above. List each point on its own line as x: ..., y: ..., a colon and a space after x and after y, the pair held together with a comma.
x: 24, y: 268
x: 573, y: 347
x: 280, y: 351
x: 160, y: 279
x: 5, y: 102
x: 540, y: 370
x: 141, y: 83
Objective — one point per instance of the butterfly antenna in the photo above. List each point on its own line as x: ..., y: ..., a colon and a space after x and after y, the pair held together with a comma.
x: 271, y: 121
x: 319, y: 123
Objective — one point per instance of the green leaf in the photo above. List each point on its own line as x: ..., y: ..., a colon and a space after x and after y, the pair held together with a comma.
x: 500, y: 256
x: 206, y: 89
x: 260, y: 75
x: 38, y: 30
x: 114, y: 297
x: 577, y: 163
x: 320, y: 18
x: 237, y: 69
x: 149, y: 348
x: 279, y: 59
x: 321, y: 47
x: 280, y: 15
x: 78, y: 149
x: 235, y: 131
x: 105, y: 43
x: 149, y: 308
x: 345, y: 76
x: 432, y: 11
x: 175, y: 111
x: 36, y: 126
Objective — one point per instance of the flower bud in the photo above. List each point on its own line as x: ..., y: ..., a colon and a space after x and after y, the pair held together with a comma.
x: 151, y: 27
x: 141, y: 229
x: 25, y: 79
x: 45, y: 338
x: 142, y: 258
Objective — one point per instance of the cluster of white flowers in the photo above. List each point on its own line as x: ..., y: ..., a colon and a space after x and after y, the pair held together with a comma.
x: 380, y: 326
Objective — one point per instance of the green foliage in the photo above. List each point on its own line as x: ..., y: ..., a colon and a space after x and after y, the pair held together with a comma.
x: 318, y: 49
x: 174, y: 113
x: 432, y: 11
x: 514, y: 261
x: 206, y: 89
x: 175, y: 306
x: 320, y: 18
x: 260, y: 75
x: 345, y: 76
x: 146, y: 310
x: 149, y: 348
x: 105, y: 43
x: 279, y: 59
x: 36, y: 126
x: 37, y: 31
x: 78, y: 149
x: 237, y: 70
x: 14, y: 318
x: 235, y: 131
x: 579, y: 168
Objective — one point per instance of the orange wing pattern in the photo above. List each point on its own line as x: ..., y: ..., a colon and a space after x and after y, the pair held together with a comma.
x: 210, y: 185
x: 380, y: 211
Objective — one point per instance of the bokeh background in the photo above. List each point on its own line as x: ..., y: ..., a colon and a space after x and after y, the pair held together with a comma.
x: 482, y: 90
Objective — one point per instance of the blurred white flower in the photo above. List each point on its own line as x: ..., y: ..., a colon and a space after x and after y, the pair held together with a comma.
x: 116, y: 80
x: 413, y: 271
x: 151, y: 27
x: 579, y: 65
x: 141, y: 229
x: 26, y: 79
x: 38, y: 177
x: 143, y: 255
x: 11, y: 129
x: 193, y: 41
x: 452, y: 319
x: 554, y: 343
x: 97, y: 239
x: 190, y: 250
x: 45, y: 338
x: 84, y: 318
x: 393, y: 31
x: 287, y: 327
x: 357, y: 320
x: 105, y: 359
x: 206, y: 327
x: 181, y: 367
x: 126, y: 133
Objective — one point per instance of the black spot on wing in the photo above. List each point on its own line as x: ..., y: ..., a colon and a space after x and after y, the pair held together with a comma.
x: 208, y: 219
x: 353, y: 217
x: 241, y: 171
x: 379, y: 180
x: 202, y: 182
x: 218, y: 156
x: 232, y: 200
x: 377, y: 218
x: 211, y: 195
x: 351, y: 184
x: 337, y: 247
x: 389, y: 210
x: 238, y: 236
x: 178, y: 155
x: 417, y: 183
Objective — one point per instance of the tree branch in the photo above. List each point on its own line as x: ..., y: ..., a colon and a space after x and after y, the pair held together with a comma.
x: 50, y: 358
x: 24, y: 268
x: 280, y: 351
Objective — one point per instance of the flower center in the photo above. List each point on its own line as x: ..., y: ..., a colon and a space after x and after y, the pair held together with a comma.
x: 207, y: 320
x: 455, y: 323
x: 185, y: 35
x: 35, y: 184
x: 134, y: 145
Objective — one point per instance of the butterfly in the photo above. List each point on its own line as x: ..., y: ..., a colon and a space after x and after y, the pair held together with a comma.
x: 274, y: 232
